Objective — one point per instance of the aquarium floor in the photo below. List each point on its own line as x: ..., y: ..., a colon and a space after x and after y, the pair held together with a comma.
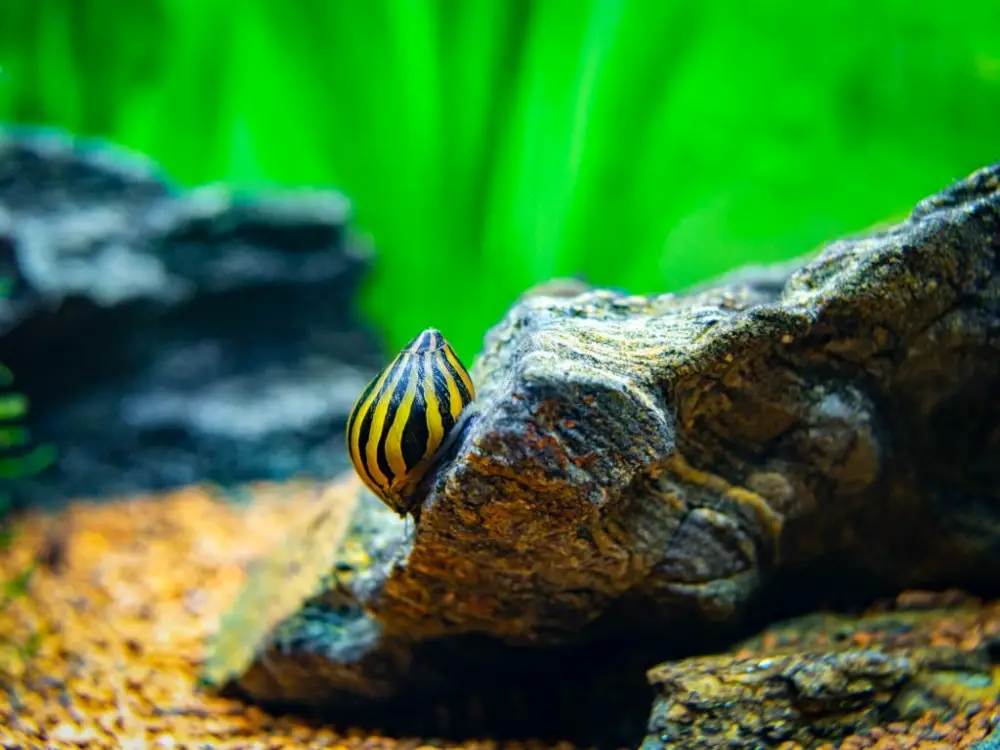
x: 103, y: 647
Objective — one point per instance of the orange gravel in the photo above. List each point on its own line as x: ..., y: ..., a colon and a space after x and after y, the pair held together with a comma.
x: 119, y: 609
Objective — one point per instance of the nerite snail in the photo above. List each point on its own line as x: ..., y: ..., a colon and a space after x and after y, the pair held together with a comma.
x: 402, y: 419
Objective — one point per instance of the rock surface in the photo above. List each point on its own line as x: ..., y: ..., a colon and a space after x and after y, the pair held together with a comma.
x: 166, y: 336
x: 823, y: 679
x: 639, y: 471
x: 670, y: 453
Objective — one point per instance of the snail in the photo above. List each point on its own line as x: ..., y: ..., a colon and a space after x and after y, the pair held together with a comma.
x: 404, y: 417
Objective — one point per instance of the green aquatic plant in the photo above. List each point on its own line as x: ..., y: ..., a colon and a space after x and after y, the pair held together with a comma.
x: 489, y: 145
x: 18, y: 459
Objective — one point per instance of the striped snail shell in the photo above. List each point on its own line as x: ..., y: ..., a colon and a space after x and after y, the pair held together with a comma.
x: 404, y: 416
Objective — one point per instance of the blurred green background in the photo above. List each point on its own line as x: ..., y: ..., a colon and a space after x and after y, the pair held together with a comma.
x: 490, y: 144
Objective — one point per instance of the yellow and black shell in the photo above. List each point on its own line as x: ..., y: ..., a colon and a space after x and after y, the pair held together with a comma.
x: 404, y: 415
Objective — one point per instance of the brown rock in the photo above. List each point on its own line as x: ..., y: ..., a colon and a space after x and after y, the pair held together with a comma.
x: 780, y: 687
x: 636, y: 471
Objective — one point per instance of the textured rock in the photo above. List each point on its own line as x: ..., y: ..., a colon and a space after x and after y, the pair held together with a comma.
x: 144, y: 319
x: 670, y: 452
x: 819, y: 680
x: 763, y: 701
x: 638, y: 472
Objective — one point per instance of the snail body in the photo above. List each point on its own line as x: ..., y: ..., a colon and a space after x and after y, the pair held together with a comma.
x: 403, y: 417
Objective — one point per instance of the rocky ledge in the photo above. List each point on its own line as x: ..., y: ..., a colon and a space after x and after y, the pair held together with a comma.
x: 643, y: 477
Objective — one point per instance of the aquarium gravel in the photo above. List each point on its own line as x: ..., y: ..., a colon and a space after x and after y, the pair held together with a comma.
x: 102, y: 646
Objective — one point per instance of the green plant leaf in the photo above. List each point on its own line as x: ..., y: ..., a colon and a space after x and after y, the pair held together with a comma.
x: 12, y: 406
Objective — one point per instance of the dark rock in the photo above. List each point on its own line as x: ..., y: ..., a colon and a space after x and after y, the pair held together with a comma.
x: 808, y: 681
x: 660, y: 449
x: 641, y: 470
x: 764, y: 701
x: 166, y: 336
